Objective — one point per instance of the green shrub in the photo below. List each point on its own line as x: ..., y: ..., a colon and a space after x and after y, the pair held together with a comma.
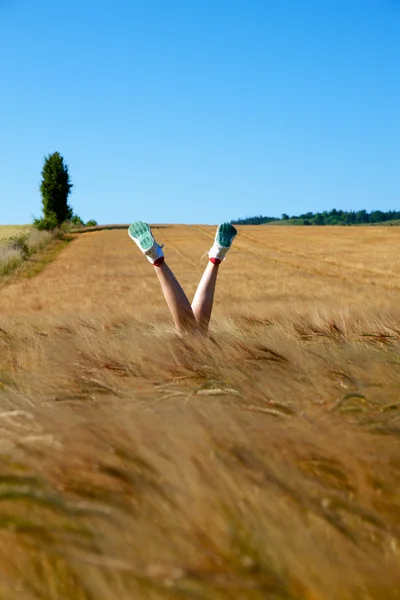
x: 48, y: 223
x: 91, y: 223
x: 76, y: 221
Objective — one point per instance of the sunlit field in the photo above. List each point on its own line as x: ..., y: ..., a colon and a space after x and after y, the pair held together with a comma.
x: 7, y: 231
x: 261, y: 463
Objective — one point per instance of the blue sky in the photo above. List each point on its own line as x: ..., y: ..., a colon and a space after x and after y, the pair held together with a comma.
x: 200, y: 111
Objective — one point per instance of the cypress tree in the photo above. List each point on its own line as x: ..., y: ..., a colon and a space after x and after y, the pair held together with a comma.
x: 55, y: 188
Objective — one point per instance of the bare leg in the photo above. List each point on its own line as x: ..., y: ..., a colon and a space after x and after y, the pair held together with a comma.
x: 204, y: 297
x: 186, y: 317
x: 176, y: 298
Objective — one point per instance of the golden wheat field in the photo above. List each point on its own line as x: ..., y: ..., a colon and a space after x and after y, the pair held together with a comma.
x: 7, y: 231
x: 260, y: 463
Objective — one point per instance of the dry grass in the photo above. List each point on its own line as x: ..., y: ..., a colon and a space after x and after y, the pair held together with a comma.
x: 10, y: 258
x: 261, y: 463
x: 15, y: 249
x: 7, y: 231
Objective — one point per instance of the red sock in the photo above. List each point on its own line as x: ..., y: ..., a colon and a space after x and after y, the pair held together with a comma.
x: 158, y: 262
x: 215, y: 261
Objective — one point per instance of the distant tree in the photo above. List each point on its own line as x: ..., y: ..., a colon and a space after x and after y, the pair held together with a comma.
x: 254, y: 220
x: 377, y: 216
x: 285, y: 217
x: 55, y: 188
x: 76, y: 221
x: 91, y: 223
x: 362, y: 216
x: 349, y: 218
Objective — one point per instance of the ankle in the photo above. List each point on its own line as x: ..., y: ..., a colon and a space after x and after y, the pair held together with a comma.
x: 159, y: 261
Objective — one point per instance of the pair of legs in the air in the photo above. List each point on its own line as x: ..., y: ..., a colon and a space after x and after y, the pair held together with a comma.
x: 187, y: 317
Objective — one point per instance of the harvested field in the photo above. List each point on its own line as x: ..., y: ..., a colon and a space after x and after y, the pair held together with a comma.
x: 279, y: 269
x: 263, y: 462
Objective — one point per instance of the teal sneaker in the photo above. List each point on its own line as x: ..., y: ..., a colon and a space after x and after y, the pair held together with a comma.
x: 224, y: 237
x: 141, y: 234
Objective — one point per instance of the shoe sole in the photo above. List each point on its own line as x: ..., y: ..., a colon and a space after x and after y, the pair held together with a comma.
x: 225, y: 235
x: 140, y: 233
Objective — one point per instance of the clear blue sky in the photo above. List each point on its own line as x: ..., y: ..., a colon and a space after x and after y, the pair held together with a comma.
x: 201, y: 110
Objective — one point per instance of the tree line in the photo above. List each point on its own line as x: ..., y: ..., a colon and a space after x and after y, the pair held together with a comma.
x: 327, y: 217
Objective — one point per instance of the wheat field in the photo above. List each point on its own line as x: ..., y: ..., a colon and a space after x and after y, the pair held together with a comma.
x: 7, y: 231
x: 260, y: 463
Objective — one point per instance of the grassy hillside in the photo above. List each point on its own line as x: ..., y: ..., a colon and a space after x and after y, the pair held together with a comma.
x: 390, y: 223
x: 286, y: 222
x: 263, y: 462
x: 300, y: 222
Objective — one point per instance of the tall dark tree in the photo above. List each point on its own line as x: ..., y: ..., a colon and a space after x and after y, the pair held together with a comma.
x: 55, y: 188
